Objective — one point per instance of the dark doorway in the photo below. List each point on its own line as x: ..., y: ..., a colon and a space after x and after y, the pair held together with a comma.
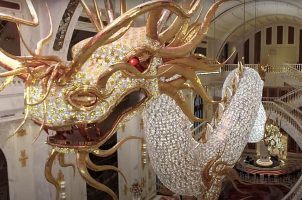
x: 4, y: 191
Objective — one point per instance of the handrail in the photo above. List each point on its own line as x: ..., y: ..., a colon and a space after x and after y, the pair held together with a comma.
x: 296, y: 190
x: 294, y: 112
x: 270, y: 98
x: 294, y: 70
x: 291, y: 96
x: 272, y: 106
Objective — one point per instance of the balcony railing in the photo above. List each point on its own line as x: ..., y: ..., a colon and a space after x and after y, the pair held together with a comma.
x: 284, y: 114
x: 292, y: 96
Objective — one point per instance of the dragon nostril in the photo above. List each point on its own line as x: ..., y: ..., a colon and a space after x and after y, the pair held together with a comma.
x: 82, y: 99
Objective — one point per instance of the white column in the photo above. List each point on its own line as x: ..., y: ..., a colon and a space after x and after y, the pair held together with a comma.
x: 130, y: 162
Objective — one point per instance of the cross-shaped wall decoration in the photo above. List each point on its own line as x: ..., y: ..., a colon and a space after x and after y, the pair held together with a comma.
x: 23, y: 158
x: 21, y: 133
x: 123, y: 127
x: 141, y: 124
x: 60, y: 176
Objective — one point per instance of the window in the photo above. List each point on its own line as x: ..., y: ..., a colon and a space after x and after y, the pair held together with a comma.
x: 8, y: 4
x: 257, y: 47
x: 300, y: 48
x: 247, y: 52
x: 291, y: 35
x: 279, y: 34
x: 269, y: 35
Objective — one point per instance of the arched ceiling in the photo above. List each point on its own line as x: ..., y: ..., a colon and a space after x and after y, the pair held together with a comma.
x: 235, y: 18
x: 235, y: 13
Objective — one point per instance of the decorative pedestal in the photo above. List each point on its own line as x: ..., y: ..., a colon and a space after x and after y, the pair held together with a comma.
x: 264, y: 159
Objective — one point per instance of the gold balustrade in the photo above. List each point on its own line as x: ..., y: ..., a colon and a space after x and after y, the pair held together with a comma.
x: 281, y: 112
x: 296, y: 191
x: 297, y: 114
x: 292, y: 96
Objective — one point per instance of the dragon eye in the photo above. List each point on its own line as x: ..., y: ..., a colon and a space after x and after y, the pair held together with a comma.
x: 134, y: 61
x: 140, y: 60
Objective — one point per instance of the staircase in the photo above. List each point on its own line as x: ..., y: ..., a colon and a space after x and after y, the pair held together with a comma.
x: 292, y: 71
x: 292, y: 125
x: 293, y: 98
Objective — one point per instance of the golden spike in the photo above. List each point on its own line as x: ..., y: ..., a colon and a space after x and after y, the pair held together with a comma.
x: 17, y: 20
x: 62, y: 162
x: 98, y: 14
x: 188, y: 74
x: 39, y: 133
x: 166, y: 88
x: 240, y: 69
x: 43, y: 123
x: 170, y: 32
x: 119, y: 33
x: 180, y: 35
x: 166, y: 15
x: 123, y: 6
x: 10, y: 61
x: 82, y: 167
x: 14, y: 72
x: 105, y: 153
x: 45, y: 40
x: 130, y: 72
x: 194, y: 41
x: 151, y: 25
x: 206, y: 133
x: 49, y: 87
x: 20, y: 126
x: 220, y: 110
x: 227, y: 60
x: 91, y: 16
x: 102, y: 37
x: 180, y: 84
x: 110, y: 11
x: 234, y: 85
x: 99, y: 168
x: 23, y: 41
x: 48, y: 172
x: 198, y: 16
x: 6, y: 82
x: 195, y: 64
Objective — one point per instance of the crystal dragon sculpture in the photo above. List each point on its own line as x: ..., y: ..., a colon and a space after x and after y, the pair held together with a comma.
x: 125, y: 69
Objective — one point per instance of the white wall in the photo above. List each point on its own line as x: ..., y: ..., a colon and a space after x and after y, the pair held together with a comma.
x: 274, y: 54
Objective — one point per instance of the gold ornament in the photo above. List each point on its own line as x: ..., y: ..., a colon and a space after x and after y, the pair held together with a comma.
x: 86, y: 100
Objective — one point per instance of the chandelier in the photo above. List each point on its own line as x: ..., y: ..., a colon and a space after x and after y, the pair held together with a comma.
x: 124, y: 70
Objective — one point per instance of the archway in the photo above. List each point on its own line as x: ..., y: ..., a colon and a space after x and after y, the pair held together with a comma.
x: 4, y: 188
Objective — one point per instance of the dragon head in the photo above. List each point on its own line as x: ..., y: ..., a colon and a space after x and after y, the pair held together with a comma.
x: 113, y: 74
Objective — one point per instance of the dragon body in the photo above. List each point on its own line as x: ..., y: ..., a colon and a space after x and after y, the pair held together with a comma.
x: 181, y: 163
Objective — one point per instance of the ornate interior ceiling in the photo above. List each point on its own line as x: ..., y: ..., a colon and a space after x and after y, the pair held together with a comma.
x: 235, y: 18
